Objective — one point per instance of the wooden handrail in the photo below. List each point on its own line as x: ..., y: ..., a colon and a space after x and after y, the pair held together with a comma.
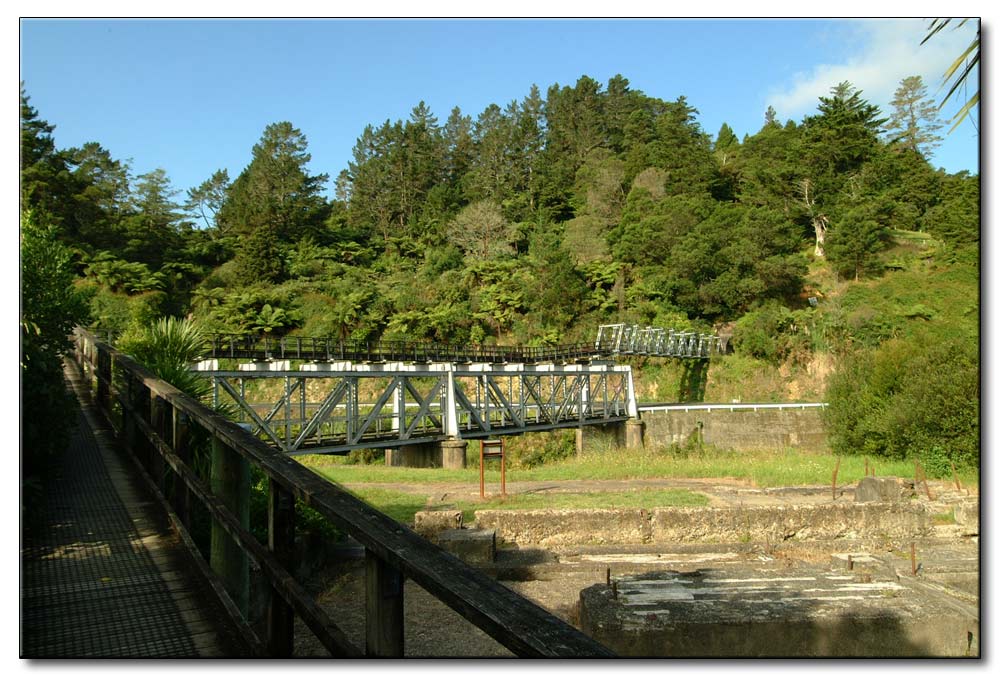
x: 394, y: 551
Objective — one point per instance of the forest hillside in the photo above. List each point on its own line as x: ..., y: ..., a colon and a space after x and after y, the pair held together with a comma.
x: 842, y: 264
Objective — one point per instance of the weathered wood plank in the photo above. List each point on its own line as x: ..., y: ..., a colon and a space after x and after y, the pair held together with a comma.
x: 281, y: 542
x: 383, y: 609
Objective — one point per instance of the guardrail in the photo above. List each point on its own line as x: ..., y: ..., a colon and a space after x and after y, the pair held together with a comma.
x: 158, y: 424
x: 730, y: 407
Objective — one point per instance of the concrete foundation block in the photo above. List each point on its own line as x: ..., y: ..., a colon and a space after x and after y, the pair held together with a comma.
x: 967, y: 517
x: 634, y: 434
x: 473, y: 546
x: 855, y: 561
x: 879, y: 490
x: 444, y: 454
x: 430, y: 523
x: 453, y: 453
x: 414, y: 456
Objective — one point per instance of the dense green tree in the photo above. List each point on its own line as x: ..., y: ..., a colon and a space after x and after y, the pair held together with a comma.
x: 767, y: 168
x: 955, y: 218
x: 276, y: 190
x: 103, y: 196
x: 152, y: 230
x: 259, y: 258
x: 857, y: 239
x: 45, y: 180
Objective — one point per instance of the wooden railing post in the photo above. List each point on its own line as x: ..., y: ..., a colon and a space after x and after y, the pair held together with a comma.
x: 104, y: 381
x: 383, y: 608
x: 280, y: 541
x: 158, y: 421
x: 230, y: 481
x: 181, y: 436
x: 129, y: 412
x: 140, y: 446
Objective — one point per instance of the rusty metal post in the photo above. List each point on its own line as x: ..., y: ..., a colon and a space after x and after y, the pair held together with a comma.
x: 836, y: 469
x: 503, y: 466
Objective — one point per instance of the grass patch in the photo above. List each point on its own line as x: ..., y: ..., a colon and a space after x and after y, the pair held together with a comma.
x: 643, y: 498
x: 398, y: 505
x: 766, y: 468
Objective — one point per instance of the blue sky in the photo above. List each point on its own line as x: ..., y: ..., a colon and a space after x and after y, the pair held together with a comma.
x: 193, y: 96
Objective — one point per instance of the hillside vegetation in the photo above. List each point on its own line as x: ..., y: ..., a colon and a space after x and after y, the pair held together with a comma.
x: 841, y: 263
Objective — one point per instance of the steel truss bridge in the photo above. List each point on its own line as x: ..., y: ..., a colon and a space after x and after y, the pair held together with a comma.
x: 342, y: 396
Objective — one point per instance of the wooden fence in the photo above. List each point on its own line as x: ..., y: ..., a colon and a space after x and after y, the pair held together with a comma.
x: 160, y: 426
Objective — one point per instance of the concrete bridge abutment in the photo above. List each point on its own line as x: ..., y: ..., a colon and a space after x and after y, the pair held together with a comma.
x: 443, y: 454
x: 627, y: 434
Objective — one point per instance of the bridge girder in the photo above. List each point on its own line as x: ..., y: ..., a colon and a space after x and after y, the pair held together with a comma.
x: 334, y: 408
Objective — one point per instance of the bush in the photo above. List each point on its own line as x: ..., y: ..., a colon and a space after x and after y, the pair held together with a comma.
x: 50, y: 308
x: 772, y: 333
x: 914, y: 399
x: 529, y: 451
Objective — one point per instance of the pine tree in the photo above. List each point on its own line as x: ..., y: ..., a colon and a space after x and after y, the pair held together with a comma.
x: 914, y: 121
x: 276, y: 189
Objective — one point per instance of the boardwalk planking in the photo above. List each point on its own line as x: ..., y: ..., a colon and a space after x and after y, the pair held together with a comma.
x: 102, y: 575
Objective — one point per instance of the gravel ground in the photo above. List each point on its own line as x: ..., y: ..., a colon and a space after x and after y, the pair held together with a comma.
x: 432, y: 629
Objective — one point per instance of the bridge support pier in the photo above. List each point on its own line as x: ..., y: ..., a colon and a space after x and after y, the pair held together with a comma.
x: 634, y: 428
x: 453, y: 453
x: 628, y: 434
x: 443, y: 454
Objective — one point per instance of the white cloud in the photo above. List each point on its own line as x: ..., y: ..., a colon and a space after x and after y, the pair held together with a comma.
x: 888, y: 51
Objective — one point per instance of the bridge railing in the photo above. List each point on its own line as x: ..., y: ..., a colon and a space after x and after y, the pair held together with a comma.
x: 159, y: 425
x: 244, y: 346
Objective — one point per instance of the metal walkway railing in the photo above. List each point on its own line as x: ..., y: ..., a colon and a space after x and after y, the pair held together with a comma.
x: 613, y: 341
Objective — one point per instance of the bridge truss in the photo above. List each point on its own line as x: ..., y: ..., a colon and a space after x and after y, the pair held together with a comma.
x: 333, y: 407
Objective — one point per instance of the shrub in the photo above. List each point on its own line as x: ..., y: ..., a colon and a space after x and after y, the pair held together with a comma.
x: 50, y: 308
x: 529, y: 451
x: 772, y: 333
x: 908, y: 399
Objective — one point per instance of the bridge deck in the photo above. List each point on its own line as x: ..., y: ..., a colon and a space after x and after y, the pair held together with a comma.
x: 102, y: 574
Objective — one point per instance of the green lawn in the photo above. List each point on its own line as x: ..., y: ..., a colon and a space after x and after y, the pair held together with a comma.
x: 760, y: 468
x: 401, y: 506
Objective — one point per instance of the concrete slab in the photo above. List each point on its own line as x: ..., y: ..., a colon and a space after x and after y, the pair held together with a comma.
x: 773, y: 613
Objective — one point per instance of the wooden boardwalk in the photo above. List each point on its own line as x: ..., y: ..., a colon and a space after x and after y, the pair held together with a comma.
x: 102, y: 574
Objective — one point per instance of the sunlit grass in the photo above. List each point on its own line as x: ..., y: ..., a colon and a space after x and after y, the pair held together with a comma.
x: 401, y: 506
x: 398, y: 505
x: 765, y: 468
x: 642, y: 498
